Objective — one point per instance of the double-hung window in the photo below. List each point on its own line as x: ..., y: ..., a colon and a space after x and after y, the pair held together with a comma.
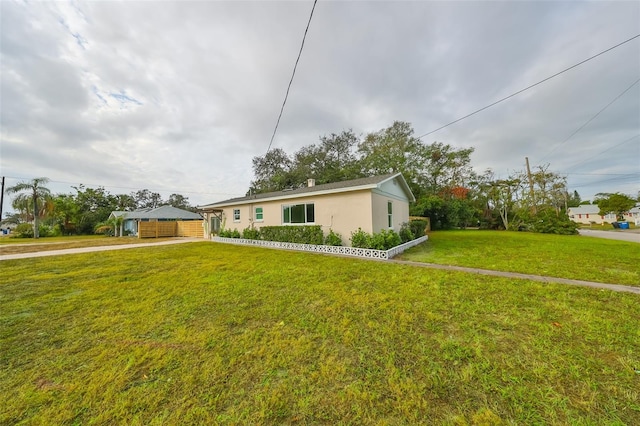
x: 298, y: 213
x: 236, y: 215
x: 259, y: 214
x: 389, y: 214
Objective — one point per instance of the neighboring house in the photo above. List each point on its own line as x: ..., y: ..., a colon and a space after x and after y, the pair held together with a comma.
x: 589, y: 213
x: 162, y: 213
x: 373, y: 204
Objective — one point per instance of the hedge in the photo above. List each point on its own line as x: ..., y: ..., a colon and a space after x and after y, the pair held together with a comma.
x: 302, y: 234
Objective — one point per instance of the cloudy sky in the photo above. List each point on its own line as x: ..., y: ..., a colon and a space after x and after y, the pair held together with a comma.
x: 178, y: 96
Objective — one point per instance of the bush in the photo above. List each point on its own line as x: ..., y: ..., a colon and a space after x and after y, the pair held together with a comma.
x: 383, y: 240
x: 360, y: 239
x: 548, y: 222
x: 250, y: 234
x: 406, y: 234
x: 391, y: 239
x: 302, y: 234
x: 333, y: 239
x: 24, y: 230
x: 228, y: 233
x: 418, y: 227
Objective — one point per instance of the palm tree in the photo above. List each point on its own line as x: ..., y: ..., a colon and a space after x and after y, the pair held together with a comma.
x: 35, y: 193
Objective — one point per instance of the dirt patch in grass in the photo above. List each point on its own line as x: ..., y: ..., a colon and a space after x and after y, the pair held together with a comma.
x: 34, y: 247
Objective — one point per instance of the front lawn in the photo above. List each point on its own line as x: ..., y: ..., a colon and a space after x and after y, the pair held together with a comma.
x: 207, y: 333
x: 565, y: 256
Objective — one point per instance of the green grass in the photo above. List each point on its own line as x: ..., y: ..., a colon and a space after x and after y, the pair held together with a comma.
x: 564, y: 256
x: 206, y: 333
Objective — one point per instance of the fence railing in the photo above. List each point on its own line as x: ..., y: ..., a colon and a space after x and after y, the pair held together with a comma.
x: 345, y: 251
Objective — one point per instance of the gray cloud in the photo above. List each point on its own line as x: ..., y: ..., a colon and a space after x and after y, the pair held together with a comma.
x: 181, y: 95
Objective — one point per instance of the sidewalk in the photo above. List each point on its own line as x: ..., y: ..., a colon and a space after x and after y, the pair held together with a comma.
x: 95, y: 249
x: 516, y: 275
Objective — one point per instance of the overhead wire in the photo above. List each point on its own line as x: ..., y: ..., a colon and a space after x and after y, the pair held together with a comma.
x: 292, y: 75
x: 530, y: 86
x: 602, y: 152
x: 622, y: 178
x: 588, y: 121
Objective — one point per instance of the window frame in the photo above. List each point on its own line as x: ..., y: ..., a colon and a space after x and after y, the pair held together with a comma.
x: 287, y: 211
x: 256, y: 213
x: 236, y: 215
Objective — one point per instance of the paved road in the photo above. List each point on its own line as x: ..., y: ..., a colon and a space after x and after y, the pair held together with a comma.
x: 629, y: 235
x: 96, y: 249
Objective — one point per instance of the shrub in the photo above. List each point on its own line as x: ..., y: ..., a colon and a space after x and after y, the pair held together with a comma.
x: 548, y: 222
x: 418, y: 227
x: 360, y: 239
x: 301, y: 234
x: 333, y: 239
x: 250, y: 234
x: 391, y: 239
x: 406, y: 234
x: 228, y: 233
x: 383, y: 240
x: 24, y: 230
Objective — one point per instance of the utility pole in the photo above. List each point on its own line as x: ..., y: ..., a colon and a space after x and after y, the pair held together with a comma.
x: 2, y: 199
x: 533, y: 200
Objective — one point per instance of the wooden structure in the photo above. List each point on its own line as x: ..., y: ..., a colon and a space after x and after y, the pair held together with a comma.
x: 171, y: 228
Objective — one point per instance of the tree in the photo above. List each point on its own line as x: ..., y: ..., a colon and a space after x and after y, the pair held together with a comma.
x: 393, y: 150
x: 574, y: 200
x: 179, y: 201
x: 272, y: 172
x: 37, y: 194
x: 145, y: 199
x: 614, y: 203
x: 93, y: 206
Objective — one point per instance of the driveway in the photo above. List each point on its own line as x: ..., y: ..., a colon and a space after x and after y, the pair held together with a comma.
x: 632, y: 235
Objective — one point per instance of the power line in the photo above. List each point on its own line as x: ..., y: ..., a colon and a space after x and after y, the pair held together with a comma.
x: 529, y: 87
x: 602, y: 152
x: 292, y: 75
x: 589, y: 120
x: 622, y: 178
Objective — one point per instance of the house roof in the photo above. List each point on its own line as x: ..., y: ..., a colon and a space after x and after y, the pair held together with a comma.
x: 162, y: 212
x: 585, y: 209
x: 327, y: 188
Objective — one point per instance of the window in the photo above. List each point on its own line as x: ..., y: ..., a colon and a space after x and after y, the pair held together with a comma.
x: 299, y: 213
x: 236, y: 215
x: 587, y: 215
x: 259, y: 214
x: 390, y: 214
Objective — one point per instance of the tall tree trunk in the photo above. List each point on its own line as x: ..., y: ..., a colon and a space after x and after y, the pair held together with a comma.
x: 36, y: 225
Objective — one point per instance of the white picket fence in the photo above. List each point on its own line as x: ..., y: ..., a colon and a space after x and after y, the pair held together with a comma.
x: 345, y: 251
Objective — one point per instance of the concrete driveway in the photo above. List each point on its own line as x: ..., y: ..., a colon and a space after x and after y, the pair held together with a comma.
x: 632, y: 235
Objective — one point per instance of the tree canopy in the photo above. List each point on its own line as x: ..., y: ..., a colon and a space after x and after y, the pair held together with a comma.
x: 616, y: 203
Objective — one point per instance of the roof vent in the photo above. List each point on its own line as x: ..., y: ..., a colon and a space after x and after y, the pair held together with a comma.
x: 311, y: 182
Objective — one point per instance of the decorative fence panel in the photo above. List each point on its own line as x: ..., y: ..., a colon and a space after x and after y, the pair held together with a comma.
x: 170, y: 228
x: 345, y: 251
x: 190, y: 228
x: 156, y: 229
